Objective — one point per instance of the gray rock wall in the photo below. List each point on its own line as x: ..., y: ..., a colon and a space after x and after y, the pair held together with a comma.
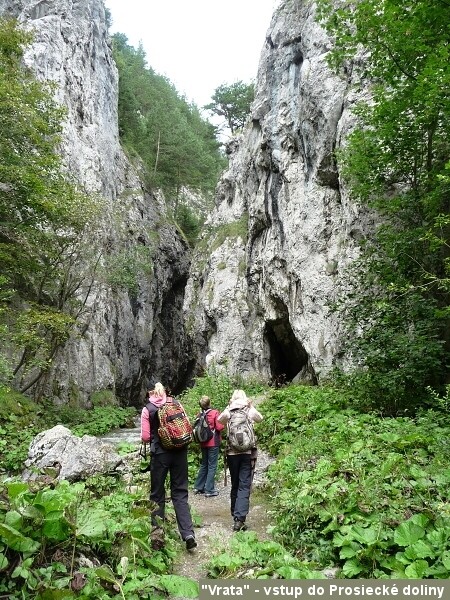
x: 124, y: 339
x: 284, y: 228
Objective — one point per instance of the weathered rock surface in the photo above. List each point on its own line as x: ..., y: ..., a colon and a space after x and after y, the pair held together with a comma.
x: 283, y: 228
x: 58, y: 454
x: 125, y: 338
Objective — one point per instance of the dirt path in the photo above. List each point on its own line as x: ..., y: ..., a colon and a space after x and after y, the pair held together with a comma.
x: 215, y: 532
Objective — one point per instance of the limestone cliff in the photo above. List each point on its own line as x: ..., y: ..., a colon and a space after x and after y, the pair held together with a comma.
x: 125, y: 338
x: 283, y: 228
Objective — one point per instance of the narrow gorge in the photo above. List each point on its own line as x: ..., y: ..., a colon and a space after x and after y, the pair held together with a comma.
x: 255, y: 300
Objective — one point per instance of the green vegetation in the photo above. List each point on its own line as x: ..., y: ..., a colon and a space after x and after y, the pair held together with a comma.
x: 233, y: 102
x: 46, y: 250
x: 79, y: 540
x: 178, y: 148
x: 233, y: 230
x: 367, y: 494
x: 267, y: 560
x: 397, y: 163
x: 125, y: 268
x: 215, y: 236
x: 83, y: 540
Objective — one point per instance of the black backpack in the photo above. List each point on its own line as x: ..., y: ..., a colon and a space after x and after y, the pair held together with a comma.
x: 201, y: 431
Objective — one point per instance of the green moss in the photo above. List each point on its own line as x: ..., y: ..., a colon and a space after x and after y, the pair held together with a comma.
x: 233, y: 230
x: 214, y: 237
x: 14, y: 403
x: 125, y: 268
x: 103, y: 398
x: 74, y: 394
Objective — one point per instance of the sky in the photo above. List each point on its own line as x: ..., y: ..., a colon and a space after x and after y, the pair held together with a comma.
x: 197, y: 44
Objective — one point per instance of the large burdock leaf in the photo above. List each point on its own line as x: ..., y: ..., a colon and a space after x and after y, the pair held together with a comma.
x: 417, y: 569
x: 16, y: 488
x: 408, y: 534
x: 419, y: 550
x: 352, y: 568
x: 16, y: 540
x: 179, y: 587
x: 55, y: 526
x: 91, y: 523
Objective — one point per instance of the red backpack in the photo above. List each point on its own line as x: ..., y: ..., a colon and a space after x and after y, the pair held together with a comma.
x: 174, y: 430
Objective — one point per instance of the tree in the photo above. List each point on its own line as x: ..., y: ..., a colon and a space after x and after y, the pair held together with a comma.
x: 396, y: 162
x: 44, y: 222
x: 233, y: 102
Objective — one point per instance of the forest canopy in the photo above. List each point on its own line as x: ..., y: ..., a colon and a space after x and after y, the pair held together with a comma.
x: 178, y: 147
x: 397, y: 164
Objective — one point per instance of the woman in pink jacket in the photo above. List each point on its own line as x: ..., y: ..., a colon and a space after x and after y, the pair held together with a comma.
x: 163, y: 463
x: 205, y: 481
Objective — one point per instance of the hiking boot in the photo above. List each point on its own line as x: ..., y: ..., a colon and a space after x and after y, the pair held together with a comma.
x: 211, y: 494
x: 239, y: 525
x: 199, y: 491
x: 190, y: 542
x: 157, y: 539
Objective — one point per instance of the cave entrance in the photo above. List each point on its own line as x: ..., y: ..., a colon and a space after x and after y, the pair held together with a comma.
x: 287, y: 356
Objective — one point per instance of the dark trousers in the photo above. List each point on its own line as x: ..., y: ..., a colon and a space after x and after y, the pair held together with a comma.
x: 240, y: 466
x: 175, y: 464
x: 207, y: 473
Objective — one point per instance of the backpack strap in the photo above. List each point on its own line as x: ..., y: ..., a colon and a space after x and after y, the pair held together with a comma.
x: 205, y: 412
x: 153, y: 418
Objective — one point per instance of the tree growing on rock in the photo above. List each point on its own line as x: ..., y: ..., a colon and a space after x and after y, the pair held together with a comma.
x: 233, y: 102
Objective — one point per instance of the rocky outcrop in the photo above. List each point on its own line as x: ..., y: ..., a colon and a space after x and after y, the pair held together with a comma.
x: 126, y: 337
x: 284, y: 227
x: 57, y: 454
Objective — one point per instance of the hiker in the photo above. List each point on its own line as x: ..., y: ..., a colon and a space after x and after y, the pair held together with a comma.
x: 164, y: 461
x: 205, y: 481
x: 241, y: 462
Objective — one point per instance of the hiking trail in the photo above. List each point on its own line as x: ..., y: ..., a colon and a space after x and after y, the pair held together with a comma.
x: 215, y: 531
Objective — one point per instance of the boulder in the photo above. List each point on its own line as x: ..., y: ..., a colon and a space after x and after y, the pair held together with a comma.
x: 62, y: 455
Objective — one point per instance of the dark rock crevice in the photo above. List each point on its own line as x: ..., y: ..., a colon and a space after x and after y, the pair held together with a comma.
x: 287, y: 356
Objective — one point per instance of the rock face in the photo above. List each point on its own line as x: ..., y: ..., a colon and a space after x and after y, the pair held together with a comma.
x: 126, y: 338
x: 58, y: 454
x: 284, y: 227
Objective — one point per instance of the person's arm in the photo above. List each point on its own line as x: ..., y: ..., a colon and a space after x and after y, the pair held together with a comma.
x: 254, y: 415
x: 224, y: 416
x: 216, y: 424
x: 145, y: 426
